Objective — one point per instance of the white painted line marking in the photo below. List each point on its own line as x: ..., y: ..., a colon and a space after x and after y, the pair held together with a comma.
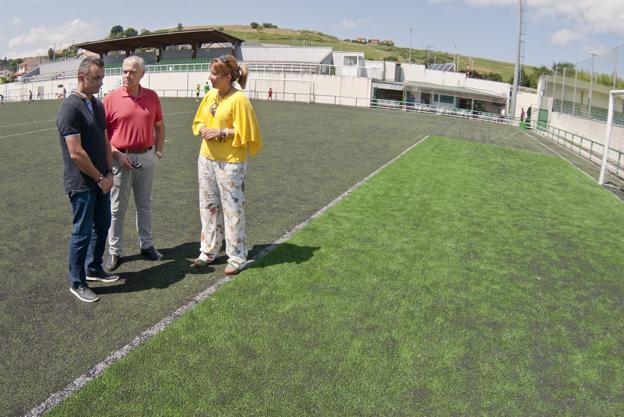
x: 28, y: 123
x: 92, y: 373
x: 27, y: 133
x: 570, y: 162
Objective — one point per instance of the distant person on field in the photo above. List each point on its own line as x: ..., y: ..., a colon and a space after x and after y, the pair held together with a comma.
x: 522, y: 114
x: 197, y: 93
x: 64, y: 93
x: 1, y: 99
x: 87, y: 178
x: 30, y: 96
x: 230, y: 133
x: 270, y: 93
x: 135, y: 125
x: 206, y: 88
x: 528, y: 116
x: 38, y: 94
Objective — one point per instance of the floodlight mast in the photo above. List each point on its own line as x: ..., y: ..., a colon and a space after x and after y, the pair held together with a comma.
x: 516, y: 82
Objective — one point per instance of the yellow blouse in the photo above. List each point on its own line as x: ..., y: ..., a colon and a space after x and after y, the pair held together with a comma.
x: 233, y: 111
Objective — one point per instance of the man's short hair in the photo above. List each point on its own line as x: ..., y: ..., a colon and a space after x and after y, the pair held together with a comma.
x: 133, y: 59
x: 86, y: 63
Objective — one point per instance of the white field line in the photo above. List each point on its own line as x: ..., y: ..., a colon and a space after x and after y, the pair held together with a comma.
x: 28, y: 123
x: 569, y: 162
x: 27, y: 133
x: 94, y: 372
x: 54, y: 128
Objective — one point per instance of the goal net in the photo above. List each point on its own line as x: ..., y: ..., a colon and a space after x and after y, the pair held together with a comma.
x: 607, y: 149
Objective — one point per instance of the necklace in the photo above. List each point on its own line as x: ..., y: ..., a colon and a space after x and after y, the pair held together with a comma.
x: 219, y: 99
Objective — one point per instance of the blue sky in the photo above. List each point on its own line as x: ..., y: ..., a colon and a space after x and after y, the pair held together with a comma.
x: 555, y: 30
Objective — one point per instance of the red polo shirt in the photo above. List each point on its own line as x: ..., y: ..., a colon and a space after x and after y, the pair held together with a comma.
x: 130, y: 120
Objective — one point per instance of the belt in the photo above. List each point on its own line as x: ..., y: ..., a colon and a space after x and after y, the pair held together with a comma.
x: 135, y: 150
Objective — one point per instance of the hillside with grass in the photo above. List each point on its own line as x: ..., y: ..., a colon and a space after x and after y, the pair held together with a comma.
x: 371, y: 51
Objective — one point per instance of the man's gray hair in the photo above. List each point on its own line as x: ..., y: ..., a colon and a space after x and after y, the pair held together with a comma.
x: 86, y: 63
x: 133, y: 59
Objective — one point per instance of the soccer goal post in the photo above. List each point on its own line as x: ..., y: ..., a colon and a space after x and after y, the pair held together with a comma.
x: 605, y: 155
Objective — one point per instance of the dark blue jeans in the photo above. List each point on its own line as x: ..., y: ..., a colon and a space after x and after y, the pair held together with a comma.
x: 92, y: 217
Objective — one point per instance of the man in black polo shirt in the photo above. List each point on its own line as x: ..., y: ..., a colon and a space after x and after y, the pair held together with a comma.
x: 87, y: 178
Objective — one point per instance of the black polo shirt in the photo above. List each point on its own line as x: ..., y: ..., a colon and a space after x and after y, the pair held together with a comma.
x: 75, y: 118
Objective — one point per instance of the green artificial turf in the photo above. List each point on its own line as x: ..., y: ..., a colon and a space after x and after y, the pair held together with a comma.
x: 312, y: 154
x: 463, y: 280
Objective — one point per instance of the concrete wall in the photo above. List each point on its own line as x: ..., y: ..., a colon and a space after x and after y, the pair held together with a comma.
x: 589, y: 129
x: 413, y: 72
x: 60, y: 66
x: 331, y: 89
x: 50, y: 89
x: 524, y: 100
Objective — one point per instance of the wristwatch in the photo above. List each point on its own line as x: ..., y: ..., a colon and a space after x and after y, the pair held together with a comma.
x: 100, y: 178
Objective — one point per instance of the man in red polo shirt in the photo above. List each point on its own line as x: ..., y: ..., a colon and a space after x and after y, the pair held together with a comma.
x: 136, y: 130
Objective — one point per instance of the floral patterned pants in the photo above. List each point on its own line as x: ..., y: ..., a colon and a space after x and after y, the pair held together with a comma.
x: 221, y: 201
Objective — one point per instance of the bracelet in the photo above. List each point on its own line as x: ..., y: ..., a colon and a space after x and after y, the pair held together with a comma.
x: 100, y: 179
x: 223, y: 133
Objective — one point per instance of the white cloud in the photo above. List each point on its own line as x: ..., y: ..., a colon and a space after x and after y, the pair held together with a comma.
x: 586, y: 16
x: 352, y: 24
x: 565, y: 36
x: 596, y: 49
x: 43, y: 37
x: 16, y: 21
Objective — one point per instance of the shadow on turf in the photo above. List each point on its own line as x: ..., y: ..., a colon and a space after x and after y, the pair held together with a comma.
x: 173, y: 268
x: 176, y: 266
x: 283, y: 253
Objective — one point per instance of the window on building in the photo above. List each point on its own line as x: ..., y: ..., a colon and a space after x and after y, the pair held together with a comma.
x: 447, y: 99
x: 350, y: 61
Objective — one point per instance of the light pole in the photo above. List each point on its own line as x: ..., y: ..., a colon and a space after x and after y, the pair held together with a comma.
x: 517, y: 69
x: 410, y: 47
x: 591, y: 85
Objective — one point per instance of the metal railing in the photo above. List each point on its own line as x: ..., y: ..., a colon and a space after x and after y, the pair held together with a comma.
x: 586, y: 148
x: 582, y: 111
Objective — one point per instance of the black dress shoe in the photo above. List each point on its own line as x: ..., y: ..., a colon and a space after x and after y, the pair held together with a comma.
x: 152, y: 253
x: 113, y: 263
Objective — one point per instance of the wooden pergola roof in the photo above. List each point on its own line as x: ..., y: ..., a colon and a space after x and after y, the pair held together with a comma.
x: 195, y: 38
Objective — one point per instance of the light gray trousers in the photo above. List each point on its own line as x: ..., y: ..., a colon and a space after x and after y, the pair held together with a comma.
x: 140, y: 182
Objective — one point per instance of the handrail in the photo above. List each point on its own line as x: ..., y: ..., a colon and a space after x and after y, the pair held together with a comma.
x: 589, y: 151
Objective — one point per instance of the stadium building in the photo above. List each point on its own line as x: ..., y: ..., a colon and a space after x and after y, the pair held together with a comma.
x: 178, y: 61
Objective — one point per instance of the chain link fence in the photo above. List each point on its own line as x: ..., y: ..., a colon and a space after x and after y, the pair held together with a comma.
x: 581, y: 89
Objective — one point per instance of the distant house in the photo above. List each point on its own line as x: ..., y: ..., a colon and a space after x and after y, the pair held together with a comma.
x: 360, y: 40
x: 22, y: 69
x: 374, y: 41
x: 387, y: 43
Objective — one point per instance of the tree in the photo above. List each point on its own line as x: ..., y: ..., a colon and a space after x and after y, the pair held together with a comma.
x: 50, y: 54
x: 145, y: 32
x: 180, y: 27
x: 116, y: 31
x: 254, y: 25
x: 493, y: 76
x: 130, y: 32
x: 560, y: 66
x: 526, y: 80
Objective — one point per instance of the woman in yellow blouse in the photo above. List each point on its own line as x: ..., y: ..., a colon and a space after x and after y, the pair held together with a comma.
x: 229, y: 130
